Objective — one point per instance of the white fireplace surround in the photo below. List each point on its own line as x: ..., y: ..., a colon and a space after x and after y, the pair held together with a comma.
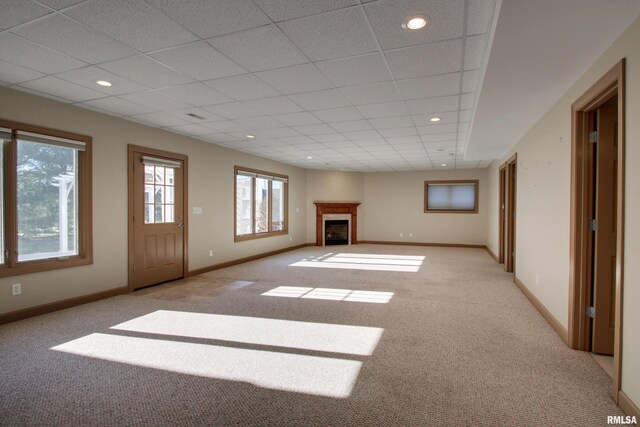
x: 335, y: 217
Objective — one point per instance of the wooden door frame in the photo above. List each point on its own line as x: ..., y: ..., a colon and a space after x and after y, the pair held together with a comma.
x: 132, y: 149
x: 502, y: 180
x: 609, y: 85
x: 510, y: 210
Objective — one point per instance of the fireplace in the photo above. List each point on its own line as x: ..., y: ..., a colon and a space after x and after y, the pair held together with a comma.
x: 336, y: 232
x: 337, y: 211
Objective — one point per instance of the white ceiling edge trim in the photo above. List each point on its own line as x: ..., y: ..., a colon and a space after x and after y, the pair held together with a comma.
x: 483, y: 71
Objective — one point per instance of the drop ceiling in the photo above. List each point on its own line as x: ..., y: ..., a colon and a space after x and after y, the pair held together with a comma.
x: 322, y: 84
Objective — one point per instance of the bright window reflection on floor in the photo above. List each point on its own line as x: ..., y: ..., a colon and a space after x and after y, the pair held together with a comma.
x: 375, y: 297
x: 374, y: 262
x: 346, y: 339
x: 322, y: 376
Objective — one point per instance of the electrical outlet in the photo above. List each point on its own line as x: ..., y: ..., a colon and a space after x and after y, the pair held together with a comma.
x: 537, y: 280
x: 210, y: 252
x: 291, y: 238
x: 401, y: 234
x: 16, y: 289
x: 410, y: 235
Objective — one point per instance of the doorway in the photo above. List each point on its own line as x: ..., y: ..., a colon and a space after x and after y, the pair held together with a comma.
x: 510, y: 214
x: 501, y: 212
x: 157, y: 220
x: 597, y: 220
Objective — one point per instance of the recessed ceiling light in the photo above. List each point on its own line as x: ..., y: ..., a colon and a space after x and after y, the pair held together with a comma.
x: 104, y: 83
x: 415, y: 22
x: 309, y: 157
x: 250, y: 136
x: 435, y: 119
x: 443, y: 164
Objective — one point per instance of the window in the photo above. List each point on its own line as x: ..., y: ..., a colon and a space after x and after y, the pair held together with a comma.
x: 451, y: 196
x: 261, y: 204
x: 159, y: 190
x: 45, y: 199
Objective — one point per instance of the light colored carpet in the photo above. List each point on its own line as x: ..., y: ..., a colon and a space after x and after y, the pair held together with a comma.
x: 457, y: 344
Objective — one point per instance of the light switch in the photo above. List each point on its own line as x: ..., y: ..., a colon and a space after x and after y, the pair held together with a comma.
x: 197, y: 211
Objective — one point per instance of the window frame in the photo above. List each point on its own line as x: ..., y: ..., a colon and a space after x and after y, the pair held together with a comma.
x: 253, y: 235
x: 13, y: 267
x: 476, y: 184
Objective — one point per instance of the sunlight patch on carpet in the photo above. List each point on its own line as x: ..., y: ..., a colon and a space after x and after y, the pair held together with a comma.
x: 334, y: 338
x: 372, y: 262
x: 322, y: 376
x: 375, y: 297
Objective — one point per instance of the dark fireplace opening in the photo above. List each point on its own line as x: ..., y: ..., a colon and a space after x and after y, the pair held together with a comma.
x: 336, y: 232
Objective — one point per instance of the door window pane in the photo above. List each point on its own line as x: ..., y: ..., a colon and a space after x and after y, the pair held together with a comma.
x: 244, y: 219
x: 262, y: 205
x: 159, y: 194
x: 47, y: 201
x: 277, y: 205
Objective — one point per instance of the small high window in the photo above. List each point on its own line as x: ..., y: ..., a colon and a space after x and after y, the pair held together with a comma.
x: 451, y: 196
x: 261, y: 204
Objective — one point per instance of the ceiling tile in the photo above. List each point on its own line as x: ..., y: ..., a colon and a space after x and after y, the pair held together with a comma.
x: 282, y: 10
x: 474, y: 52
x: 465, y: 115
x: 425, y: 60
x: 386, y: 17
x: 330, y: 138
x: 234, y: 110
x: 278, y: 133
x: 443, y: 139
x: 133, y: 22
x: 333, y: 115
x: 437, y: 129
x: 198, y: 60
x: 243, y: 87
x: 257, y: 123
x: 432, y: 86
x: 297, y: 119
x: 274, y: 105
x: 353, y: 126
x: 155, y: 100
x: 331, y: 35
x: 355, y: 70
x: 160, y: 119
x: 391, y: 122
x: 479, y: 16
x: 115, y: 106
x: 42, y: 94
x: 259, y: 49
x: 12, y: 73
x: 433, y: 105
x: 146, y: 71
x: 320, y: 100
x: 196, y: 94
x: 208, y: 18
x: 372, y: 142
x: 372, y: 93
x: 314, y: 129
x: 296, y: 79
x: 23, y: 52
x: 225, y: 126
x: 62, y: 88
x: 88, y: 76
x: 362, y: 135
x: 398, y: 132
x: 16, y: 12
x: 191, y: 129
x: 74, y: 39
x: 59, y: 4
x: 384, y: 109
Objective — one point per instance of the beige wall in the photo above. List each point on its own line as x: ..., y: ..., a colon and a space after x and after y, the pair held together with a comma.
x: 333, y: 186
x: 394, y: 204
x: 210, y: 187
x: 543, y: 215
x: 493, y: 220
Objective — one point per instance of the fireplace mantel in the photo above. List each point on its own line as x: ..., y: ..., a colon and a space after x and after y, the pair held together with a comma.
x: 323, y: 208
